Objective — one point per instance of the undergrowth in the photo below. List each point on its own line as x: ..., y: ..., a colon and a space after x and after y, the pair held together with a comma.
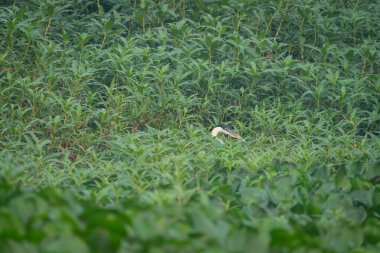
x: 107, y: 108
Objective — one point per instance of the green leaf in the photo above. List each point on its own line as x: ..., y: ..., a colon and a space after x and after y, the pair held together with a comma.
x: 10, y: 224
x: 64, y: 244
x: 16, y: 246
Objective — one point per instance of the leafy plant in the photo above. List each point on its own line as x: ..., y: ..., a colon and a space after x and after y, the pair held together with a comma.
x: 107, y: 108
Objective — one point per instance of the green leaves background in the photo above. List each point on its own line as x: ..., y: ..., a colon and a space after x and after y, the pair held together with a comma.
x: 113, y: 101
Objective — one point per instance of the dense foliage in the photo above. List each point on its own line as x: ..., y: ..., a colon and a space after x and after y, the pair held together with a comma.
x: 107, y: 107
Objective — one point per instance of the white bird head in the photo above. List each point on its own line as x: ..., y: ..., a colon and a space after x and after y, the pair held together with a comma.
x: 225, y: 130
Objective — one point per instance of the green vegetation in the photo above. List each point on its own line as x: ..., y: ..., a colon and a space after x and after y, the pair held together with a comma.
x: 107, y: 108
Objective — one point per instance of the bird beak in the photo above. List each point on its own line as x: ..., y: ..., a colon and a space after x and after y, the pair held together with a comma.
x: 232, y: 134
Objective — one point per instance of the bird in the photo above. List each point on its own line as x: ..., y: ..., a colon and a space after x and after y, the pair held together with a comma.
x: 225, y: 130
